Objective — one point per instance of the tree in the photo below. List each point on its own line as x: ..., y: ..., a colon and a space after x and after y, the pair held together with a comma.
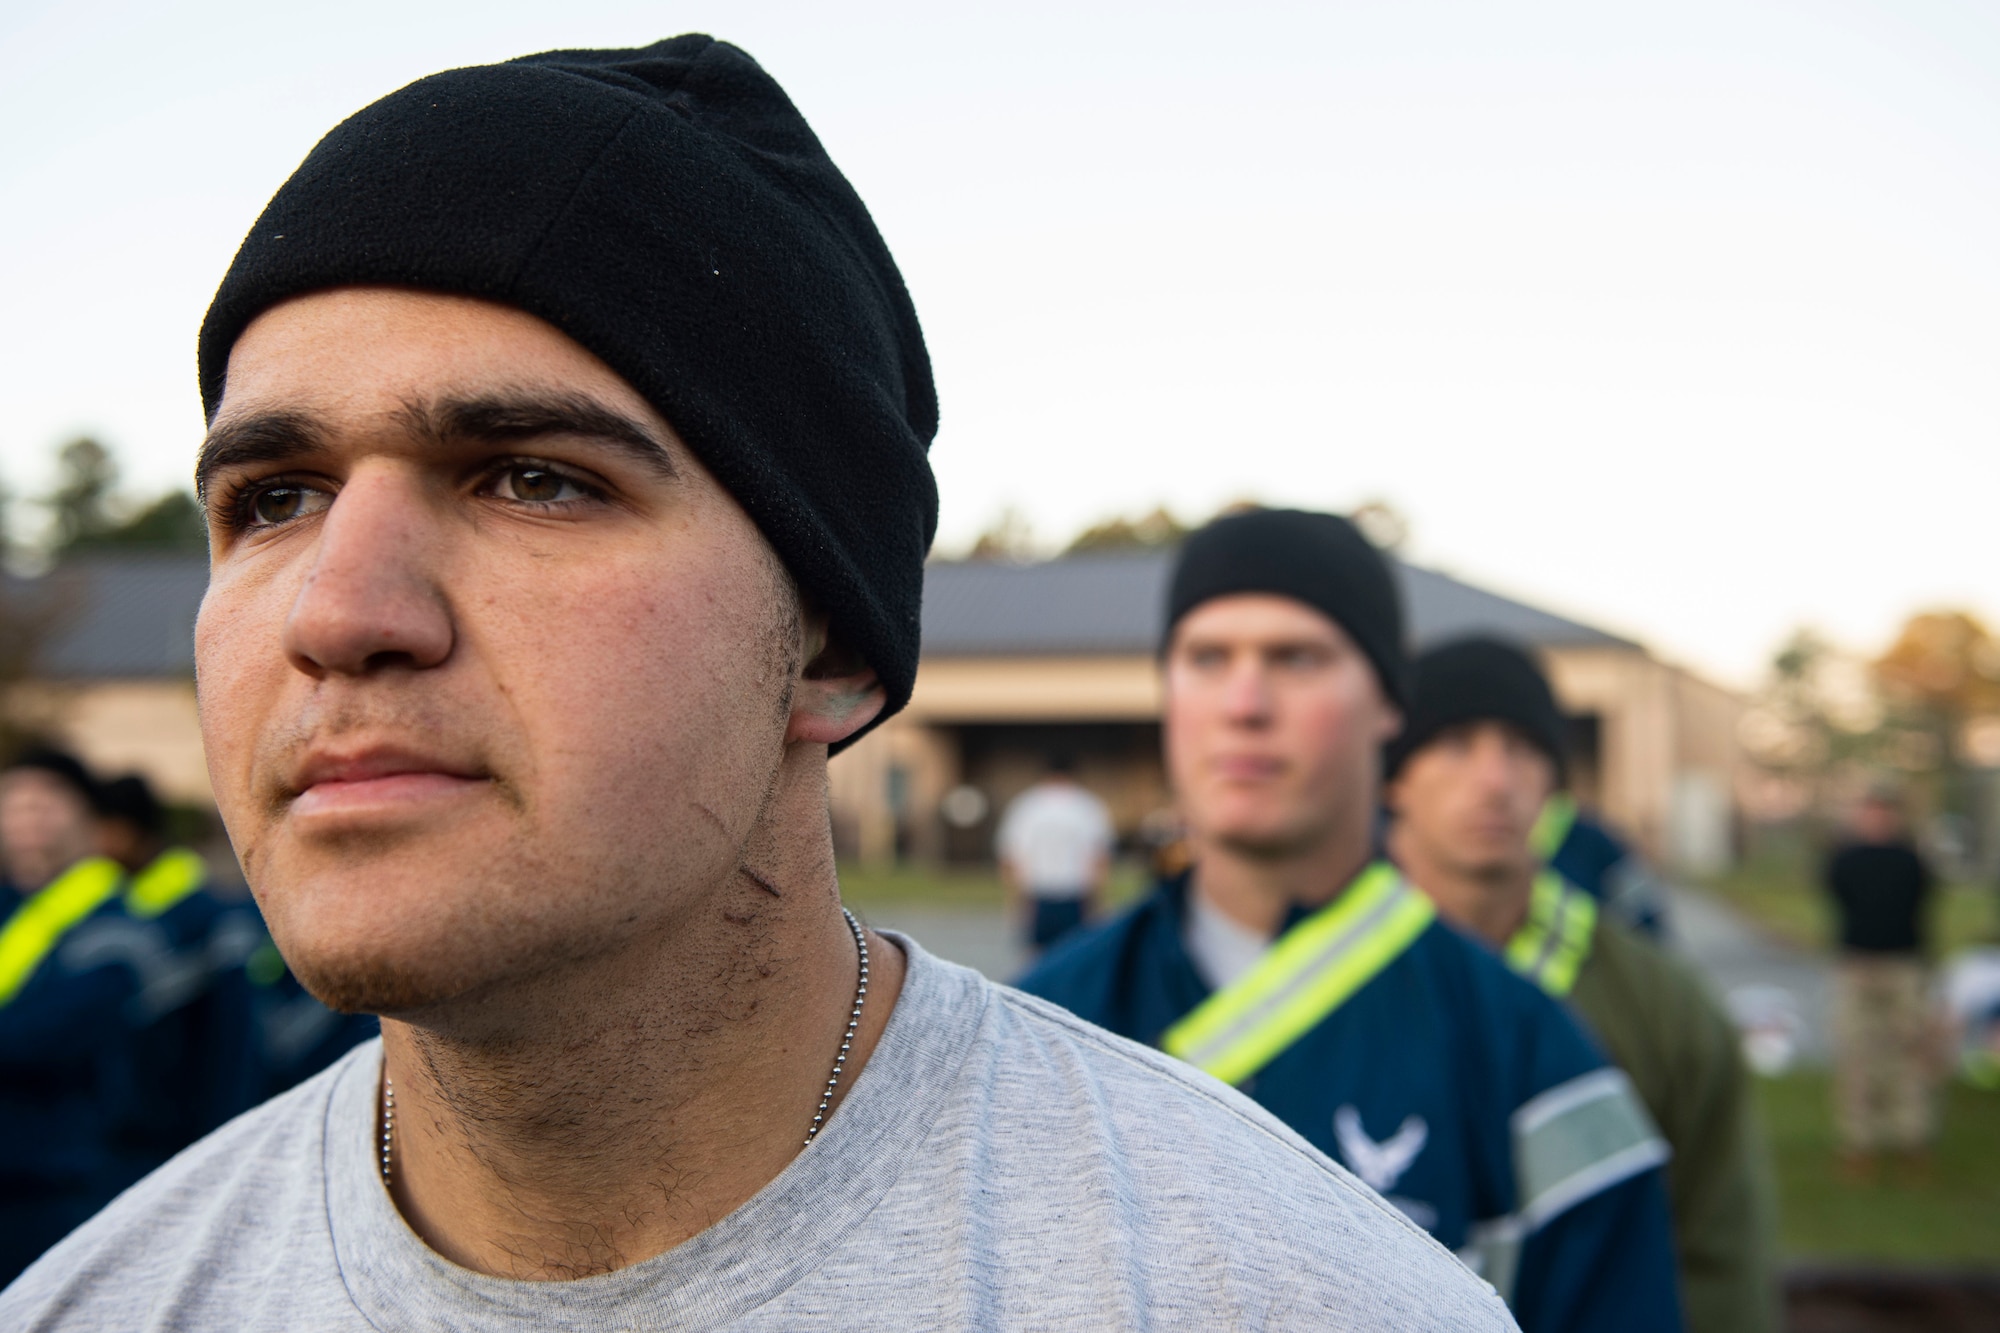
x: 89, y: 515
x: 174, y: 522
x: 1816, y: 723
x: 1008, y: 537
x: 1159, y: 528
x: 1940, y: 680
x: 86, y: 475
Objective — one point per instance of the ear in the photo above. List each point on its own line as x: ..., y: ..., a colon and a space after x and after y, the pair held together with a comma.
x: 1389, y: 724
x: 837, y: 693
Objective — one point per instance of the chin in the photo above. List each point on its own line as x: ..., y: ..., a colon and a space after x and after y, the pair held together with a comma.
x: 1266, y: 840
x: 366, y: 939
x: 377, y: 984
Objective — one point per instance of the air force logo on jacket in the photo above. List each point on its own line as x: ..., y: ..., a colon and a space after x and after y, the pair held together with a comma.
x: 1381, y: 1165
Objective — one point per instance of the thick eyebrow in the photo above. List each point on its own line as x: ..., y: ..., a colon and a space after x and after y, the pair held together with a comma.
x: 502, y: 417
x: 283, y: 436
x: 261, y: 437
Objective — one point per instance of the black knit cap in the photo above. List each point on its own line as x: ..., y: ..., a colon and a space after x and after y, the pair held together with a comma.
x: 1319, y: 559
x: 1479, y: 680
x: 59, y: 764
x: 670, y: 210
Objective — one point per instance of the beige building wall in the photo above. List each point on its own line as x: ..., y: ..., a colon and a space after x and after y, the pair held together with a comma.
x: 1667, y: 766
x: 125, y: 726
x: 1669, y: 756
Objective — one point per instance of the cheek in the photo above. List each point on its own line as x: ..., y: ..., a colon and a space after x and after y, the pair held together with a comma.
x: 1330, y: 738
x: 640, y: 692
x: 1188, y: 724
x: 240, y: 671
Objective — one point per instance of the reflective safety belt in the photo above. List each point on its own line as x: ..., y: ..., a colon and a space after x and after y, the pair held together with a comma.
x: 39, y: 924
x: 168, y: 878
x: 1570, y: 1143
x: 1552, y: 826
x: 1305, y: 976
x: 1550, y: 947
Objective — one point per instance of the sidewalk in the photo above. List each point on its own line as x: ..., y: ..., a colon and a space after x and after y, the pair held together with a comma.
x: 1733, y: 954
x: 979, y: 939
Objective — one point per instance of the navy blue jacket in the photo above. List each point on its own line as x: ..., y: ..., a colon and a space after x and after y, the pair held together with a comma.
x: 1426, y: 1064
x: 1596, y: 861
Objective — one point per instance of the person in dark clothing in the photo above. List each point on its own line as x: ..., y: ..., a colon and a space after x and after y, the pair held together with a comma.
x: 1589, y: 855
x: 246, y: 1030
x: 1883, y: 1029
x: 194, y: 1062
x: 63, y: 1042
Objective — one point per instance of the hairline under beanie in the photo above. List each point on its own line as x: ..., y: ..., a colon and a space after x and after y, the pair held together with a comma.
x: 1479, y: 678
x: 1320, y: 560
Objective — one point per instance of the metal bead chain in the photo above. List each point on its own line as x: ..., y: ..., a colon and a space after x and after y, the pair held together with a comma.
x: 853, y: 1026
x: 388, y: 1122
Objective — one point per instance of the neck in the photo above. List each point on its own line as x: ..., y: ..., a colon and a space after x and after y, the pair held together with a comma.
x: 1489, y: 903
x: 1256, y: 888
x: 647, y: 1094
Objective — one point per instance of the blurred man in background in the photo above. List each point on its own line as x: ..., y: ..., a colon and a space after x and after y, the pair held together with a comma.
x: 1480, y: 757
x: 1293, y: 963
x: 46, y: 819
x: 1055, y: 845
x: 233, y: 1026
x: 1884, y: 1031
x: 194, y: 1051
x: 64, y: 1042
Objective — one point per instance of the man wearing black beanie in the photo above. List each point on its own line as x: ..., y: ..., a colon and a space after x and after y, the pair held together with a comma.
x: 1294, y: 963
x: 567, y: 503
x: 1468, y: 777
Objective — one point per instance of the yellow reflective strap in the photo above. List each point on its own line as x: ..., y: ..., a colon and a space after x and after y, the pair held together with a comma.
x: 1308, y: 974
x: 171, y: 876
x: 1552, y: 826
x: 39, y: 924
x: 1552, y: 944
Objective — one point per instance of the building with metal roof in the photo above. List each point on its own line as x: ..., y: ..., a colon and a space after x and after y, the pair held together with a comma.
x: 1019, y: 661
x: 1022, y: 660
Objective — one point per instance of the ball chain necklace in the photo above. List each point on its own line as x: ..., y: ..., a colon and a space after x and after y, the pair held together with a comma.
x: 825, y: 1098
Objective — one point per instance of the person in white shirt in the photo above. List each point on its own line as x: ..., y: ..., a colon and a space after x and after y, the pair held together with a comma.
x: 1054, y: 845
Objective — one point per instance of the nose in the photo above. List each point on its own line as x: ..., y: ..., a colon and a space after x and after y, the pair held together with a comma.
x: 371, y: 600
x: 1246, y: 693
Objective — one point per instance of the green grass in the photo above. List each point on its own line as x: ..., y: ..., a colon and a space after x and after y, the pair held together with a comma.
x: 1953, y: 1218
x: 1779, y: 889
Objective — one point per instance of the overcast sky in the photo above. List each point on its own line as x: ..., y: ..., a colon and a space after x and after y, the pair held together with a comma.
x: 1684, y: 318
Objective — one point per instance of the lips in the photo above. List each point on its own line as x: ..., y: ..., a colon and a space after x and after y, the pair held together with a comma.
x: 1247, y: 767
x: 382, y: 778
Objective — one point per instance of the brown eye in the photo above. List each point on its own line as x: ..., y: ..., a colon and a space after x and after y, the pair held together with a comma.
x: 531, y: 484
x: 282, y: 504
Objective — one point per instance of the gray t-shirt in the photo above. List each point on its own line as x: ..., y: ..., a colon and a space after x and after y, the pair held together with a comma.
x: 998, y: 1164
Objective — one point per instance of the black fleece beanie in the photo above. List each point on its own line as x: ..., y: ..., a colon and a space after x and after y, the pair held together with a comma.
x: 670, y: 210
x: 1479, y: 680
x: 1319, y: 559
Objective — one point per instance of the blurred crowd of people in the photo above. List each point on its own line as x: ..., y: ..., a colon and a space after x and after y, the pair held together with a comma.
x: 140, y: 1007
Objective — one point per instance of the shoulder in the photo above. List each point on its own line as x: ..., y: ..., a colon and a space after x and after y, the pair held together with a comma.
x: 251, y: 1186
x: 1661, y: 993
x: 1205, y: 1180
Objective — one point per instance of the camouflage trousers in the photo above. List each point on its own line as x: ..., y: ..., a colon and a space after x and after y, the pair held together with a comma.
x: 1885, y: 1037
